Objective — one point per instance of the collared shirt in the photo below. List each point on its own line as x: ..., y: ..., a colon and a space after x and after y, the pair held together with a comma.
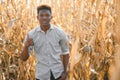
x: 47, y: 48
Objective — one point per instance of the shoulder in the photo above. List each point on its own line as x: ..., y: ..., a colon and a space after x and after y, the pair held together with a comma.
x: 59, y: 30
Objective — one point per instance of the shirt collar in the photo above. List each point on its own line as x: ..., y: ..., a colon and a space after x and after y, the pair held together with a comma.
x: 39, y: 28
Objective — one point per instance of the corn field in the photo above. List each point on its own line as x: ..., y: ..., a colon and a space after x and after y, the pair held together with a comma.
x: 93, y: 28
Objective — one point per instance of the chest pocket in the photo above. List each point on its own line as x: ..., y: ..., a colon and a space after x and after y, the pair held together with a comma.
x: 54, y: 44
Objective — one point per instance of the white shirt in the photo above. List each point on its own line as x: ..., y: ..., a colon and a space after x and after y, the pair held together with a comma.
x: 47, y: 48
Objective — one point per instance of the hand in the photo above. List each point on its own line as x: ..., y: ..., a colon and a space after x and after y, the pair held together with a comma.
x: 64, y: 76
x: 29, y: 41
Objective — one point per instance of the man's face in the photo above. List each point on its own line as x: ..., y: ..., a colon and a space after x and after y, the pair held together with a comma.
x: 44, y: 17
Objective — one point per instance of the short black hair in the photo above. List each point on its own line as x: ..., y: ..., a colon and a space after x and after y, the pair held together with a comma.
x: 43, y: 7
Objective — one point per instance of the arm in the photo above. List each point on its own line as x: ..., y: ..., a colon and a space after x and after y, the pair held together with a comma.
x: 65, y: 53
x: 27, y: 48
x: 24, y: 55
x: 65, y: 62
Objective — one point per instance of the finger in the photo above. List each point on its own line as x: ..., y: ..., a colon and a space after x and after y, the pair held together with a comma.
x: 31, y: 42
x: 27, y: 36
x: 61, y: 78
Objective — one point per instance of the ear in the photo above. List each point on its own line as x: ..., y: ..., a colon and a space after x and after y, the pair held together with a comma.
x: 37, y: 17
x: 51, y: 17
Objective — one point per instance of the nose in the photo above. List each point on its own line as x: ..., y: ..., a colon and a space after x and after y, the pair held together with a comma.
x: 44, y: 17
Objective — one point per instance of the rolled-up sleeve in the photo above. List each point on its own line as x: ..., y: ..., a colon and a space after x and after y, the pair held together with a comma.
x: 64, y: 44
x: 30, y: 48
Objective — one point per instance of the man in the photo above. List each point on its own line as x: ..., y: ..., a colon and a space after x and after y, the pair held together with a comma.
x: 49, y: 42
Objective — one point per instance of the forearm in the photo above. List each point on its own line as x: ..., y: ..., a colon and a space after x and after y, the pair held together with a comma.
x: 24, y: 55
x: 65, y: 62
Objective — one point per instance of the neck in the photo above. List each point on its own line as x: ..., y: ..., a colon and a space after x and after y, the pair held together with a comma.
x: 45, y: 27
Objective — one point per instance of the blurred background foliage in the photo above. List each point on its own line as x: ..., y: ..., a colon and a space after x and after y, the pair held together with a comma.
x: 92, y: 26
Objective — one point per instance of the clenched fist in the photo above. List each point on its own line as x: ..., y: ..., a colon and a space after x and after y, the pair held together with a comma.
x: 29, y: 41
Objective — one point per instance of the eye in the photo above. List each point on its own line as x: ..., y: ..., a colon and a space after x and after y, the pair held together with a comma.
x: 41, y: 15
x: 47, y: 15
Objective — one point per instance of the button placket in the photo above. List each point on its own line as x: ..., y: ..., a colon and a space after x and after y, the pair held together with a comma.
x: 47, y: 49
